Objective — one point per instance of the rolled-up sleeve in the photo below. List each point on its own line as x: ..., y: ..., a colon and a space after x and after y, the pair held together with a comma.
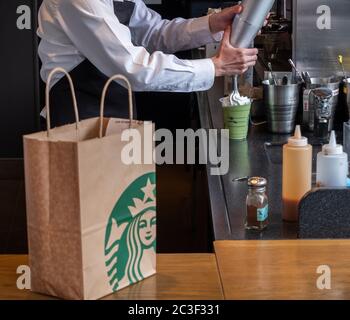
x: 154, y: 33
x: 96, y: 32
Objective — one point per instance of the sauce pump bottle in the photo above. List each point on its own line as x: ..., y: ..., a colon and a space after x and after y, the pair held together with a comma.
x: 332, y: 165
x: 297, y: 174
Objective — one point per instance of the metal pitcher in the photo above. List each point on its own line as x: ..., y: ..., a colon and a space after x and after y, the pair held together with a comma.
x: 282, y: 103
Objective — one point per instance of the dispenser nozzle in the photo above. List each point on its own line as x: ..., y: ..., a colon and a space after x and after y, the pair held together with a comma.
x: 298, y: 140
x: 332, y: 140
x: 297, y: 133
x: 332, y: 148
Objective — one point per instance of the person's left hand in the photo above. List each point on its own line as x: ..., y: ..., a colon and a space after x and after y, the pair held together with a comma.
x: 220, y: 21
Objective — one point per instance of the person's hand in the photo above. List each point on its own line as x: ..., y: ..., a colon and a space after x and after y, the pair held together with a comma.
x: 220, y: 21
x: 233, y: 61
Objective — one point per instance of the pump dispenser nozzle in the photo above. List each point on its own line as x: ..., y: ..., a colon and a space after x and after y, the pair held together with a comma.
x: 333, y: 140
x: 297, y: 133
x: 332, y: 148
x: 298, y: 140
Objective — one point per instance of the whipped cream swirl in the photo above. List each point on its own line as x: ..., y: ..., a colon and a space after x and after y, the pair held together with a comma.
x: 237, y: 100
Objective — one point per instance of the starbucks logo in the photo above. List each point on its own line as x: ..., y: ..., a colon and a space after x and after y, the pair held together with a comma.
x: 130, y: 238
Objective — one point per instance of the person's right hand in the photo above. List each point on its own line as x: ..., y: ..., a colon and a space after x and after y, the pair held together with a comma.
x: 233, y: 61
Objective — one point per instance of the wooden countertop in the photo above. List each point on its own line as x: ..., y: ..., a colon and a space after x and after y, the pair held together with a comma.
x: 253, y: 270
x: 283, y: 269
x: 179, y: 277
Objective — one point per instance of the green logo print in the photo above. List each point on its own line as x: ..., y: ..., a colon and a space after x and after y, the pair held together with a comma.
x: 130, y: 237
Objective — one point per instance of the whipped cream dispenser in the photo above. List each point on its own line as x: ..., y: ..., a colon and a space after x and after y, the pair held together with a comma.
x: 247, y: 24
x: 245, y: 27
x: 332, y: 165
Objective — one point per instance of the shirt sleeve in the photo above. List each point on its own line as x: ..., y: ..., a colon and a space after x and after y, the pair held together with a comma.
x: 151, y: 31
x: 96, y: 32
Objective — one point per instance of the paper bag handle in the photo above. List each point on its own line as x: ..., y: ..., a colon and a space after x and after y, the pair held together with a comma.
x: 47, y: 97
x: 103, y: 99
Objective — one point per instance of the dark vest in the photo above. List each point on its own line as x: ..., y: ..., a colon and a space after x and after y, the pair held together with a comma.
x: 89, y: 83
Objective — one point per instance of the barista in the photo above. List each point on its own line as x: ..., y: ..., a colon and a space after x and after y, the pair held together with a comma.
x: 95, y: 39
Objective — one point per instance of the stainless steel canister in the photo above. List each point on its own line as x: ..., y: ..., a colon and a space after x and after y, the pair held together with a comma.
x: 332, y: 83
x: 282, y: 103
x: 247, y: 24
x: 279, y: 76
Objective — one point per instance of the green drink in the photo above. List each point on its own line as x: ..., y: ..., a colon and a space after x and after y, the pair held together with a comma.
x: 236, y: 120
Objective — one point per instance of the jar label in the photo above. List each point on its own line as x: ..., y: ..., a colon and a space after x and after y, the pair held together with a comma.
x: 263, y: 213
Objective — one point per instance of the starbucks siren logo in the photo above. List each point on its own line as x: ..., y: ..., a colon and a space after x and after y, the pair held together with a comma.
x: 130, y: 241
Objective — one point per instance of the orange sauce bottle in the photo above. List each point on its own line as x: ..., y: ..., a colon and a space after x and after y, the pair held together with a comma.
x: 297, y: 174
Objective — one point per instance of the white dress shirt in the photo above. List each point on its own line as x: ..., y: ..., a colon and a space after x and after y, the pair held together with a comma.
x: 73, y: 30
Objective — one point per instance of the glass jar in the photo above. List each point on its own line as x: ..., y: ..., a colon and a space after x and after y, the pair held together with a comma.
x: 257, y: 204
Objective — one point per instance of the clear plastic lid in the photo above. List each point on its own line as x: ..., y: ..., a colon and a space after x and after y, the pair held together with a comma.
x: 298, y: 140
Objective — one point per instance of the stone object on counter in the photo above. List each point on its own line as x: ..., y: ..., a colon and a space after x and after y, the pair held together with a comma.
x: 325, y: 213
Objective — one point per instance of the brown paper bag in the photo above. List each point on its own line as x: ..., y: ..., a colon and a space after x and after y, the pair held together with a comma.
x: 91, y: 218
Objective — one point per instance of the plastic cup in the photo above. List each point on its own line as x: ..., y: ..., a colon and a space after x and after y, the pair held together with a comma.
x: 236, y: 120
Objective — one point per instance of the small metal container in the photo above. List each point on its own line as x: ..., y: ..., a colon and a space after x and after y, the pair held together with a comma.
x: 282, y: 103
x: 332, y: 83
x: 323, y: 111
